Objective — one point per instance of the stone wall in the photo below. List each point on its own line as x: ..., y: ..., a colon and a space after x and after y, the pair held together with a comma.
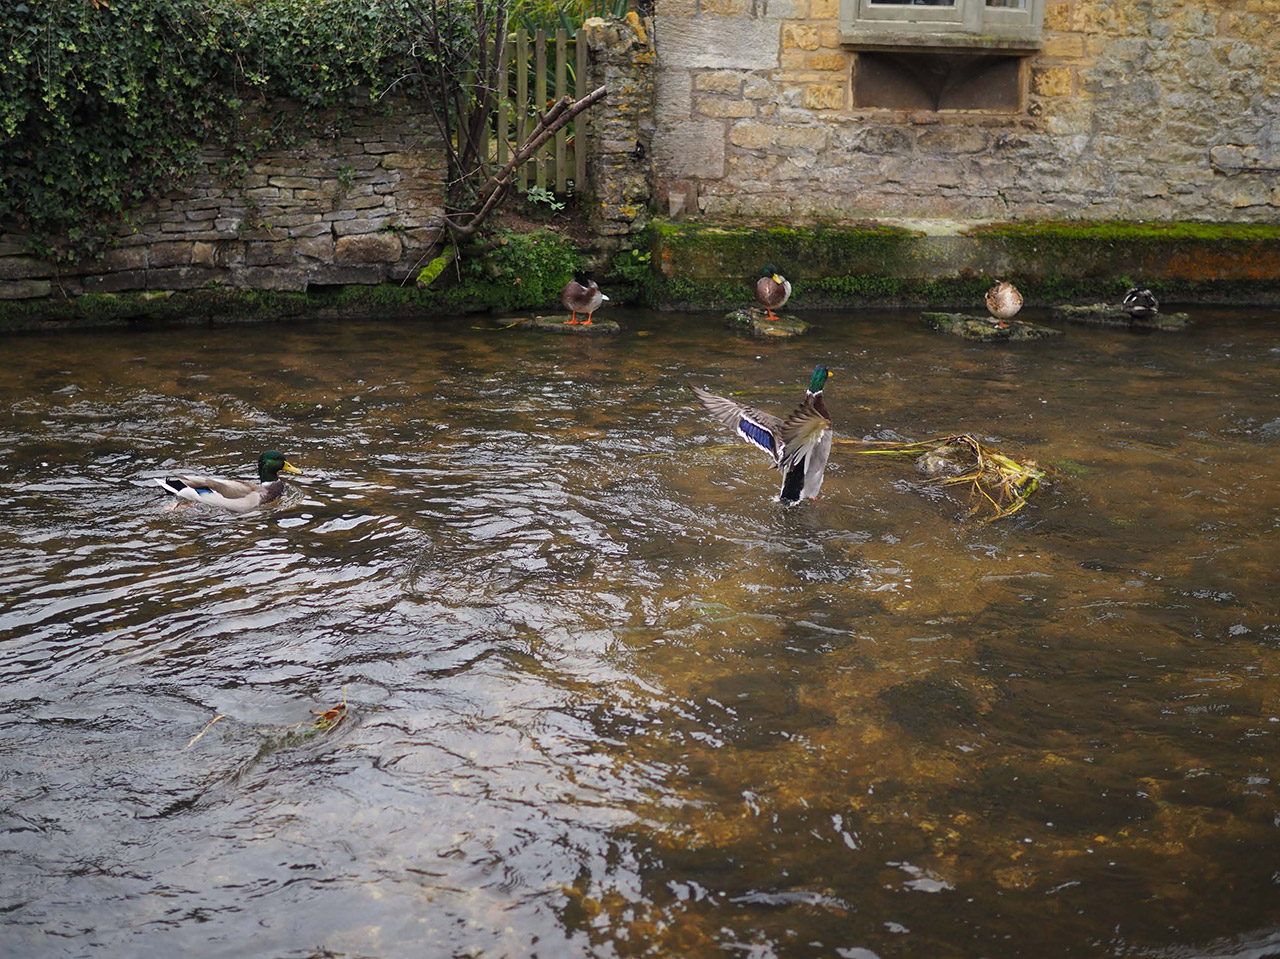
x: 620, y: 129
x: 1134, y: 109
x: 359, y: 206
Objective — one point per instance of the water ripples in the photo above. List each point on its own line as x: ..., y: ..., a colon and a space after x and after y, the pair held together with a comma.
x: 601, y: 689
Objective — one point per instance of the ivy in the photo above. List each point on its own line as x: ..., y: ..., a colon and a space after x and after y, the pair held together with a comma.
x: 103, y: 102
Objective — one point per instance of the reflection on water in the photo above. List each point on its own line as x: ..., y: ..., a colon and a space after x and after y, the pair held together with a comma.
x: 607, y: 696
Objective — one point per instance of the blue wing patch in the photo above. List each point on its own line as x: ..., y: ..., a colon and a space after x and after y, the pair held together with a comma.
x: 753, y: 432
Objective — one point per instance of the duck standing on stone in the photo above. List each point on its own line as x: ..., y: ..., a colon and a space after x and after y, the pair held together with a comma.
x: 581, y: 295
x: 772, y: 289
x: 1140, y: 303
x: 799, y: 445
x: 236, y: 496
x: 1003, y: 302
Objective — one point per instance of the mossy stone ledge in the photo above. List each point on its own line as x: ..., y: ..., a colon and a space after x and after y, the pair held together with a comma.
x: 984, y: 329
x: 1110, y: 314
x: 758, y: 323
x: 561, y: 325
x: 951, y: 264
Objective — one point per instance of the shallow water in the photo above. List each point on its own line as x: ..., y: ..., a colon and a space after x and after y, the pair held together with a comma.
x: 606, y: 696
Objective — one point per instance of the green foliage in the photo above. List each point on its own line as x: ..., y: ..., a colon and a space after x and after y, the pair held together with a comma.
x: 103, y: 103
x: 630, y: 276
x: 543, y: 196
x: 566, y: 15
x: 527, y: 271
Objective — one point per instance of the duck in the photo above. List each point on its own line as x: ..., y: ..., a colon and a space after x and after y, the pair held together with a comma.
x: 233, y: 495
x: 772, y: 289
x: 1140, y: 303
x: 1003, y: 302
x: 581, y: 295
x: 798, y: 445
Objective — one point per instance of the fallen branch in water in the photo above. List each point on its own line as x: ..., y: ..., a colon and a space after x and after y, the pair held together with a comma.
x: 962, y: 460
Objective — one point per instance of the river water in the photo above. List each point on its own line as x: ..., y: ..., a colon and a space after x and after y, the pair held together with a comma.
x: 604, y: 695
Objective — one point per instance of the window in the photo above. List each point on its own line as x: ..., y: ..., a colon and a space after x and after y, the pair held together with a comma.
x: 1011, y: 26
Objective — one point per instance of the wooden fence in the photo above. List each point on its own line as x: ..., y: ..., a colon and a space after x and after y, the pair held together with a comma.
x: 552, y: 65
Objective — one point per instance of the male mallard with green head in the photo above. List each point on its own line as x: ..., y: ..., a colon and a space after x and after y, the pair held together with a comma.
x: 237, y: 496
x: 799, y: 445
x: 1140, y: 303
x: 772, y: 289
x: 581, y: 295
x: 1003, y: 302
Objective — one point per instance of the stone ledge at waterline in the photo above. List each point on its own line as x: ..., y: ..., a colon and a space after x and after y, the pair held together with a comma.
x: 951, y: 264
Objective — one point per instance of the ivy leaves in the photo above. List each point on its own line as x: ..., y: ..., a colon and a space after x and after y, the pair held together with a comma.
x: 102, y: 103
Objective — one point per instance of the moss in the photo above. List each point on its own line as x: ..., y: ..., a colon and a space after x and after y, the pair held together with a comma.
x: 700, y: 266
x: 1130, y: 233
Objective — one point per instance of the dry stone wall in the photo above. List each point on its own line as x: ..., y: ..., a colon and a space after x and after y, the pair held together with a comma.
x: 1133, y: 109
x: 357, y: 207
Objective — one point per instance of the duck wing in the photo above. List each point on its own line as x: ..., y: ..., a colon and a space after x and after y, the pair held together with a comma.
x: 806, y: 437
x: 761, y: 430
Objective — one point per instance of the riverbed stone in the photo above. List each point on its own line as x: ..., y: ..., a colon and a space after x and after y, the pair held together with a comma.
x: 985, y: 329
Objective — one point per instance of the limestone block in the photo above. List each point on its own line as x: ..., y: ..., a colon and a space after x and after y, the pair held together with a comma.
x: 203, y: 254
x: 317, y: 247
x: 824, y: 96
x: 725, y: 108
x: 800, y: 36
x: 359, y: 225
x: 674, y: 94
x: 807, y: 137
x: 720, y: 81
x: 1064, y: 47
x: 366, y: 202
x: 269, y: 253
x: 954, y: 140
x: 368, y: 248
x: 271, y: 278
x: 184, y: 278
x: 691, y: 148
x: 24, y: 289
x: 403, y: 161
x: 717, y: 43
x: 751, y: 136
x: 123, y: 258
x: 758, y: 88
x: 824, y: 9
x: 1051, y: 82
x: 23, y: 267
x: 725, y: 8
x: 116, y: 282
x: 171, y: 254
x: 833, y: 62
x: 1057, y: 16
x: 294, y: 182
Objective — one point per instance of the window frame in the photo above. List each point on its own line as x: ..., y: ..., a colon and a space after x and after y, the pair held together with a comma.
x: 967, y: 25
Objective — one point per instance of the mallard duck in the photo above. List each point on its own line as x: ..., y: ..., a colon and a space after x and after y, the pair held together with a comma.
x: 1140, y: 303
x: 799, y: 445
x: 238, y: 496
x: 1003, y: 302
x: 581, y: 295
x: 772, y: 289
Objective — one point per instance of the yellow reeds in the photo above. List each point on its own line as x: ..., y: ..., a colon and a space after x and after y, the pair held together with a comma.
x: 999, y: 481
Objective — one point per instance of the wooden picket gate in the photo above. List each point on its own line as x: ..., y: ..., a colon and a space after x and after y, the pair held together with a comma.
x: 525, y: 58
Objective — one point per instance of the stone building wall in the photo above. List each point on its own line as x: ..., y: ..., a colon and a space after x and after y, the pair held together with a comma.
x: 359, y: 206
x: 620, y: 129
x: 1134, y: 109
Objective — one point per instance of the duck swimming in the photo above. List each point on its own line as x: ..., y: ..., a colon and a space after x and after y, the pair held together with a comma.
x: 799, y: 445
x: 236, y: 496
